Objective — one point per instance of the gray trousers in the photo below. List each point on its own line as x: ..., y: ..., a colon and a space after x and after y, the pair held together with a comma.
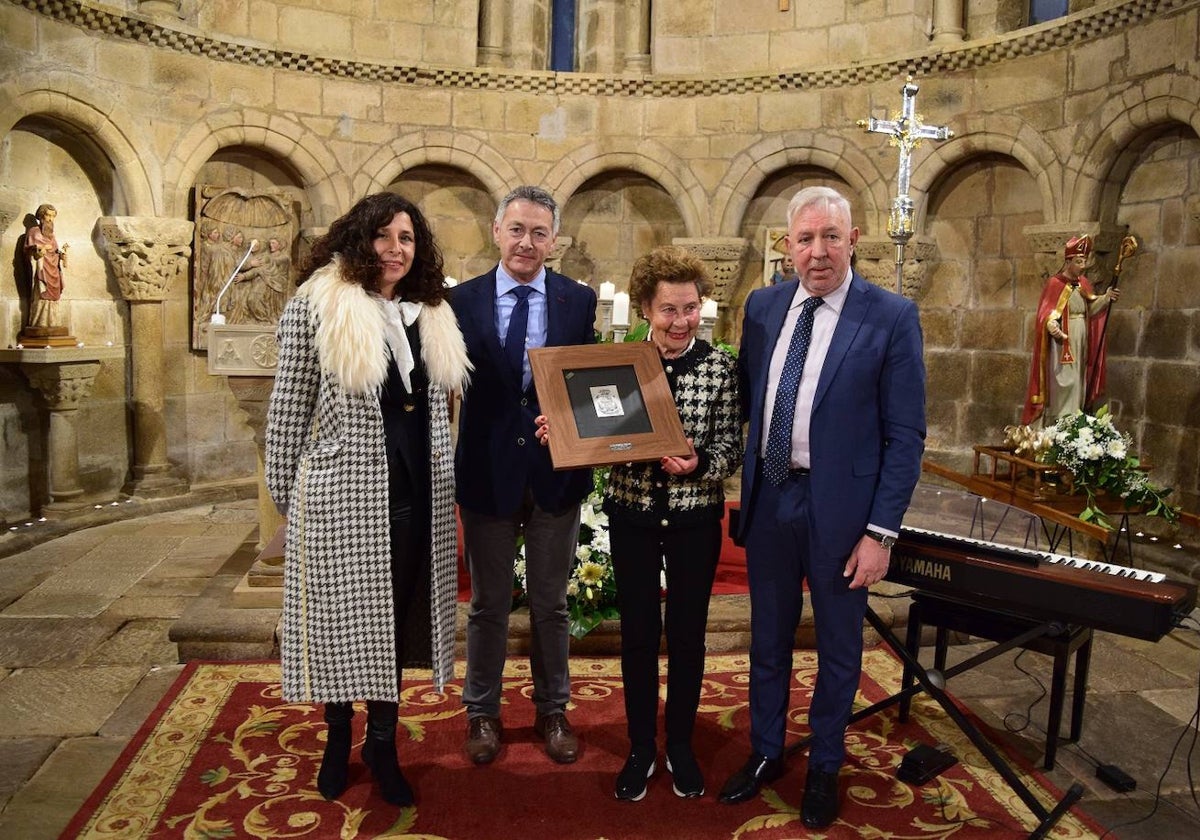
x: 491, y: 548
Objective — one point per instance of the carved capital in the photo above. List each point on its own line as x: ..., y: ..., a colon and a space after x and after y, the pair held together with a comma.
x: 64, y: 386
x: 147, y: 253
x: 724, y: 256
x: 561, y: 246
x: 876, y: 261
x: 1047, y: 243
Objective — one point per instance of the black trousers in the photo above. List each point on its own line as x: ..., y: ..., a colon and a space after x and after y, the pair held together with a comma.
x: 690, y: 555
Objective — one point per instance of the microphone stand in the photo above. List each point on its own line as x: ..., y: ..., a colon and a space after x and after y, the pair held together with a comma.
x: 217, y: 317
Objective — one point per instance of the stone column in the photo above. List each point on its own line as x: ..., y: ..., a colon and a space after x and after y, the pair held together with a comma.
x: 637, y: 37
x: 147, y: 255
x: 490, y: 52
x: 160, y: 8
x: 948, y: 22
x: 64, y: 378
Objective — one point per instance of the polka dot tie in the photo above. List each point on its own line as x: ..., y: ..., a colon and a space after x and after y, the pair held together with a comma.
x: 779, y: 438
x: 518, y: 325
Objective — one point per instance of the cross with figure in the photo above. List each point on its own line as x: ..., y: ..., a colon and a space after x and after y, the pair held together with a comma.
x: 905, y: 131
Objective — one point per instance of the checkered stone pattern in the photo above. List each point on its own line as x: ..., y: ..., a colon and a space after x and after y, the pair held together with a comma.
x: 705, y: 386
x: 1071, y: 30
x: 325, y: 459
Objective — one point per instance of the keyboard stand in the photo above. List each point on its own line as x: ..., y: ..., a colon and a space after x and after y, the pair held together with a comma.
x: 933, y: 682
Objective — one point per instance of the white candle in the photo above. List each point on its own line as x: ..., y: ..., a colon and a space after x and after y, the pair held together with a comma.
x: 621, y: 308
x: 607, y: 290
x: 708, y: 309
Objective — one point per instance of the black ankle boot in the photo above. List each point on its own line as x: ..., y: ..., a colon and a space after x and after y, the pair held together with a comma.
x: 379, y: 754
x: 335, y: 764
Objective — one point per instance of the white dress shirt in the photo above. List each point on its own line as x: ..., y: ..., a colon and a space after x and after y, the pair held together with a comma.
x: 825, y: 319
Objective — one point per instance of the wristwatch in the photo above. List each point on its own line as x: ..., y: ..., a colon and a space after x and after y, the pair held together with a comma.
x: 885, y: 540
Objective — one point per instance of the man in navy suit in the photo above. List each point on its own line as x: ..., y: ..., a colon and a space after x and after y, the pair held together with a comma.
x: 507, y: 487
x: 834, y: 389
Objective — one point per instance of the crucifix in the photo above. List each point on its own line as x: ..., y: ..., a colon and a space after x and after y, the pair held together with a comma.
x: 905, y: 131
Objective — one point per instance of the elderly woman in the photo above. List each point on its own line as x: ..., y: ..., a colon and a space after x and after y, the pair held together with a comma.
x: 359, y: 459
x: 669, y: 512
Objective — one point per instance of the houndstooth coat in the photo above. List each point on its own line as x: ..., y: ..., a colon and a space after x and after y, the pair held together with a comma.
x: 326, y: 469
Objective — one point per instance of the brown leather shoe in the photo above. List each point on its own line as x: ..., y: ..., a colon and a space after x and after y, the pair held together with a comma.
x: 483, y: 739
x: 561, y: 743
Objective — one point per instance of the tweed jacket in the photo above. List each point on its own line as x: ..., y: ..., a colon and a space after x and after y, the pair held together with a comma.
x: 326, y: 468
x: 705, y: 386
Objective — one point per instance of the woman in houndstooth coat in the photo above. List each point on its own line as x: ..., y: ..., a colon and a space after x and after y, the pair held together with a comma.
x: 359, y: 458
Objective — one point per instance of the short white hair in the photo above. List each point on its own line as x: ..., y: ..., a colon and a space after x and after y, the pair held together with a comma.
x: 810, y: 196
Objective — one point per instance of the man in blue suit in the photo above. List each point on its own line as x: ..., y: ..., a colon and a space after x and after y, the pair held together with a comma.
x: 507, y: 487
x: 833, y: 383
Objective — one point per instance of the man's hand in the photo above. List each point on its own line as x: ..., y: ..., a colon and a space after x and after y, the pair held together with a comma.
x: 868, y: 563
x: 1055, y: 330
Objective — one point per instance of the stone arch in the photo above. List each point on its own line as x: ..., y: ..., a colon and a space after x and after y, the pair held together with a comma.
x: 1105, y: 140
x: 997, y: 134
x: 438, y: 146
x: 652, y: 159
x: 751, y: 168
x: 316, y: 166
x: 134, y: 194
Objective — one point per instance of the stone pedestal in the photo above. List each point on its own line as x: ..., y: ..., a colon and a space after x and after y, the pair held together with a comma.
x: 64, y: 378
x: 147, y: 255
x: 247, y: 355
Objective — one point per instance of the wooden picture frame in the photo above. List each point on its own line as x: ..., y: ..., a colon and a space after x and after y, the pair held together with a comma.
x: 607, y: 404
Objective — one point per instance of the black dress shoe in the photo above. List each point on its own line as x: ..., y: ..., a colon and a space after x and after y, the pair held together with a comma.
x: 756, y: 772
x: 819, y: 807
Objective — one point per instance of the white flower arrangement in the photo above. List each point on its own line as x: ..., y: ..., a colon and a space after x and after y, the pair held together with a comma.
x: 1095, y: 456
x: 592, y: 586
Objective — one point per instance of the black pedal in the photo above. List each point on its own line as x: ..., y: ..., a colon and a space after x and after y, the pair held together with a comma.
x: 924, y: 762
x: 1116, y: 778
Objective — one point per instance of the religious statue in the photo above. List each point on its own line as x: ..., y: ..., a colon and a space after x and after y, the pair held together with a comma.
x: 48, y: 261
x: 1067, y: 373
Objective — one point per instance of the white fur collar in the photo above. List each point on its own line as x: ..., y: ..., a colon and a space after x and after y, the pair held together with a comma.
x: 351, y: 336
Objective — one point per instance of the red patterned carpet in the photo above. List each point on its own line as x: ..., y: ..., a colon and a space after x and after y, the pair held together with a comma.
x: 223, y: 757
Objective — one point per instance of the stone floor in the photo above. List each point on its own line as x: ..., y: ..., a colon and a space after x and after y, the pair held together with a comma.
x: 87, y: 651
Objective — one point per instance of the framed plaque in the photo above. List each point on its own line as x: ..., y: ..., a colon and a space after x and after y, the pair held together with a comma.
x: 607, y: 404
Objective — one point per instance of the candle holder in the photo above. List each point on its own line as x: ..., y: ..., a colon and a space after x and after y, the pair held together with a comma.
x: 619, y: 331
x: 705, y: 330
x: 605, y: 308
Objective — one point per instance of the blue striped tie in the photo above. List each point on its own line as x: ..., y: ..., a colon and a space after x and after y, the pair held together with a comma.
x: 779, y: 438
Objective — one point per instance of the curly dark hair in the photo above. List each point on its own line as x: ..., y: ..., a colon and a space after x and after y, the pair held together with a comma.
x: 352, y: 238
x: 666, y: 264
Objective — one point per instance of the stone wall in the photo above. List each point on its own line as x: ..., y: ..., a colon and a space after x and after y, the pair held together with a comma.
x: 1089, y: 123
